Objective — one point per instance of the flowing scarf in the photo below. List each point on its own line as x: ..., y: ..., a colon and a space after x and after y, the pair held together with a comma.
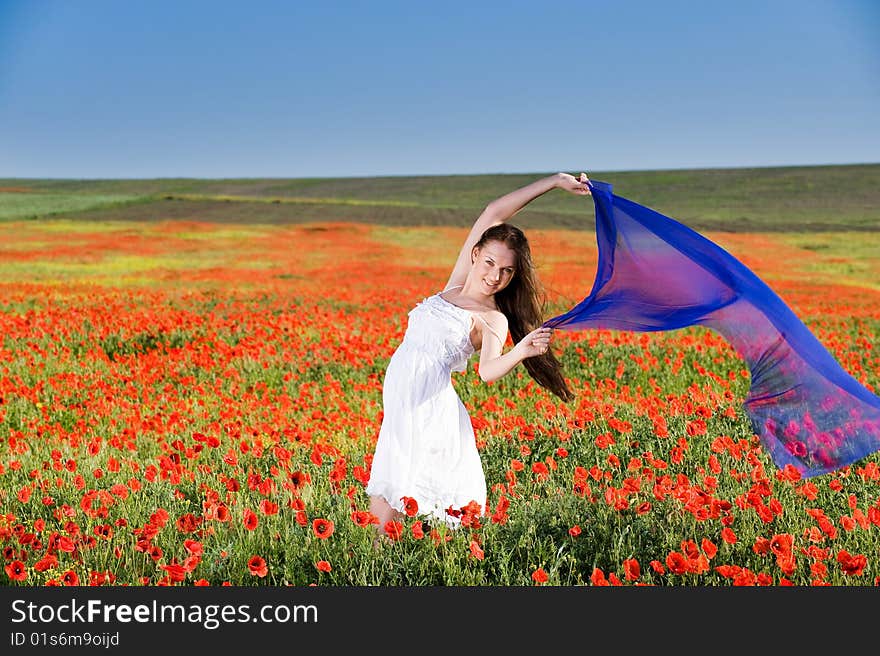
x: 655, y: 273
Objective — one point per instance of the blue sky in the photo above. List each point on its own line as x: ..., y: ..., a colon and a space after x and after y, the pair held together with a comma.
x: 100, y: 88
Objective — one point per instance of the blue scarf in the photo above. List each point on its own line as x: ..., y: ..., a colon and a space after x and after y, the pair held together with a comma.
x: 655, y: 273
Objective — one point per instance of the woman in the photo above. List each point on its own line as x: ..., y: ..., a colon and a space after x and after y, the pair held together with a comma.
x: 426, y: 449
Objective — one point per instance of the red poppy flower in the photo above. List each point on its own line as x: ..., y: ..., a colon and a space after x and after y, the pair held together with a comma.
x: 418, y: 532
x: 709, y: 548
x: 410, y: 506
x: 476, y: 551
x: 250, y: 519
x: 597, y: 578
x: 728, y: 535
x: 47, y: 562
x: 394, y: 530
x: 322, y: 528
x: 677, y: 562
x: 70, y: 578
x: 539, y: 576
x: 257, y: 567
x: 851, y: 565
x: 631, y: 569
x: 16, y: 570
x: 176, y: 572
x: 323, y: 566
x: 364, y: 518
x: 541, y: 472
x: 781, y: 544
x: 193, y: 547
x: 574, y: 531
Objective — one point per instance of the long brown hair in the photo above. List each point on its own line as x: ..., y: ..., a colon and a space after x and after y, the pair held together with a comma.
x: 522, y: 302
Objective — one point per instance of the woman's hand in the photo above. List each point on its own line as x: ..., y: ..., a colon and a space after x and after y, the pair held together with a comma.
x: 579, y: 186
x: 535, y: 343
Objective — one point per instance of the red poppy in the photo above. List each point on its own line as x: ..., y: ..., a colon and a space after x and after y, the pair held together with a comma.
x: 193, y: 547
x: 70, y: 578
x: 574, y: 531
x: 631, y: 569
x: 323, y: 566
x: 597, y: 578
x: 476, y: 551
x: 394, y: 530
x: 709, y: 548
x: 781, y: 543
x: 677, y: 562
x: 541, y: 472
x: 696, y: 427
x: 257, y: 567
x: 539, y: 576
x: 728, y: 535
x: 851, y: 565
x: 268, y: 507
x: 16, y: 570
x: 176, y: 572
x: 250, y: 519
x: 322, y: 528
x: 410, y: 506
x: 49, y: 561
x: 746, y: 577
x: 364, y: 518
x: 418, y: 531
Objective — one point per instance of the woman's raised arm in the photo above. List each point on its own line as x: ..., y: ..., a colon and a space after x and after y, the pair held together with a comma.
x: 503, y: 208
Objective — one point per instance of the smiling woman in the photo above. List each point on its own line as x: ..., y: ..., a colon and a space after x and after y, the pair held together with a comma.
x: 426, y: 459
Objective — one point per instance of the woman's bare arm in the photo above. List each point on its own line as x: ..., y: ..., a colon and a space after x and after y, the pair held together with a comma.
x: 503, y: 208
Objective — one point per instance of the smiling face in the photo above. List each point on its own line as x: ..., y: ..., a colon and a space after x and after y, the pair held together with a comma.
x: 493, y: 267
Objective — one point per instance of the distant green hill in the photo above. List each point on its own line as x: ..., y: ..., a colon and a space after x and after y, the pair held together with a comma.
x: 802, y: 198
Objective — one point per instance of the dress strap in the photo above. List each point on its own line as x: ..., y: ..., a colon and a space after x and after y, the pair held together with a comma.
x: 453, y: 287
x: 491, y: 330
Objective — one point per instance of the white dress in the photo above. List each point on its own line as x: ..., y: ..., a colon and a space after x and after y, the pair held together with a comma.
x: 426, y: 447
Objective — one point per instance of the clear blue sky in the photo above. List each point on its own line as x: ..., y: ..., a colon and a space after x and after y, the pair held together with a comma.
x: 221, y: 88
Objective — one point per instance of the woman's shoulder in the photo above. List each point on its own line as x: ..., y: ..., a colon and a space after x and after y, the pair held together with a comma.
x: 494, y: 317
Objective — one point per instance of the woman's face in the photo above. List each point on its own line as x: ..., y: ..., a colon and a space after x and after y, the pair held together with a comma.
x: 493, y: 267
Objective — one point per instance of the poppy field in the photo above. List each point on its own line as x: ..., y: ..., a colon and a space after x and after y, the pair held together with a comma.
x: 189, y: 403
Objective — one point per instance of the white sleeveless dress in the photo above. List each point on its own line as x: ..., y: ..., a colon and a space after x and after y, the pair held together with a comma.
x: 426, y: 447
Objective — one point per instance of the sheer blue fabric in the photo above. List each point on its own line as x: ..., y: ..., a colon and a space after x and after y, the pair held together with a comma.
x: 655, y: 273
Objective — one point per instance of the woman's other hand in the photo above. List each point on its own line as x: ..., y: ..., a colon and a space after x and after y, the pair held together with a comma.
x: 535, y: 343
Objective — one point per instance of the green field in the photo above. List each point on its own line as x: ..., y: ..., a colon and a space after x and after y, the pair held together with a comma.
x: 779, y: 199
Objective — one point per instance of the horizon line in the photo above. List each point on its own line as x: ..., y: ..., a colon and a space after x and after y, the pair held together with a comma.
x: 442, y: 175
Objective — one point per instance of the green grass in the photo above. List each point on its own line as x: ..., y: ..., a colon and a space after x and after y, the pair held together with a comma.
x: 17, y: 206
x: 804, y: 198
